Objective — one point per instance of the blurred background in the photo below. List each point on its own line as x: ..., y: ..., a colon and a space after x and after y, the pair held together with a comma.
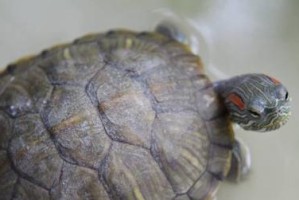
x: 232, y: 36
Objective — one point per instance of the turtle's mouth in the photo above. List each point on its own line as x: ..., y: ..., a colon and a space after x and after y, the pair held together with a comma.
x: 270, y: 122
x: 279, y: 120
x: 276, y: 125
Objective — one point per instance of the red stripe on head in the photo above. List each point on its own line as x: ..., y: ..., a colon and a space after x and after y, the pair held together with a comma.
x: 236, y: 100
x: 274, y: 80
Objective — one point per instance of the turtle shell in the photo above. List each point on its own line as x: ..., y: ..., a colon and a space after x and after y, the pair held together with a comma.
x: 117, y: 115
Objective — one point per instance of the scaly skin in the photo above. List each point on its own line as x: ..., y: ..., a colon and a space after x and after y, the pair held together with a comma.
x: 255, y: 101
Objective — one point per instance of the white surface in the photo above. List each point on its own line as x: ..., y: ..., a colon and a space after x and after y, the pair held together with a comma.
x: 239, y: 36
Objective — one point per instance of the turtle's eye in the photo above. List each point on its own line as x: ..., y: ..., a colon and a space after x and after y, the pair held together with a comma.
x: 287, y: 96
x: 254, y: 113
x: 282, y: 93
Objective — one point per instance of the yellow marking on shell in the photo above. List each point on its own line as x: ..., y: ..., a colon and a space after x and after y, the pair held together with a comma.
x: 227, y: 165
x: 67, y: 54
x: 129, y: 43
x: 231, y: 132
x: 89, y: 36
x: 137, y: 193
x: 193, y: 160
x: 58, y: 46
x: 131, y: 180
x: 24, y: 59
x: 67, y: 123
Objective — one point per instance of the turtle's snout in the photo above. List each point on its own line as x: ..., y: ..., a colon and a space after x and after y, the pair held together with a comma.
x: 285, y: 107
x: 285, y: 110
x: 279, y: 117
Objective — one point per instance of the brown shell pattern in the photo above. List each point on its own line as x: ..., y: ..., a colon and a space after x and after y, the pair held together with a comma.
x: 118, y: 115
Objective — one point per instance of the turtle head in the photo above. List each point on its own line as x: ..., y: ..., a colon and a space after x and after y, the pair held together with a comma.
x: 256, y: 101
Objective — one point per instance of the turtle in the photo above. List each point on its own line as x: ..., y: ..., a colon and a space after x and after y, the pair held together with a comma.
x: 128, y: 114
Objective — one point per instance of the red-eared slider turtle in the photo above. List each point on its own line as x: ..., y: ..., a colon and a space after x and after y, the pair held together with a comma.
x: 127, y: 115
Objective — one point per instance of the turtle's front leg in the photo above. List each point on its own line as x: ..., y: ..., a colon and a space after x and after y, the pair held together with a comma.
x: 240, y: 163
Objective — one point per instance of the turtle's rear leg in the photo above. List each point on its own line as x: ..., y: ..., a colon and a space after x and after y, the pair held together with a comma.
x: 241, y: 162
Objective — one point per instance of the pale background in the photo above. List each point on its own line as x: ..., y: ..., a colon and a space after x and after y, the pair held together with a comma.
x: 234, y: 37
